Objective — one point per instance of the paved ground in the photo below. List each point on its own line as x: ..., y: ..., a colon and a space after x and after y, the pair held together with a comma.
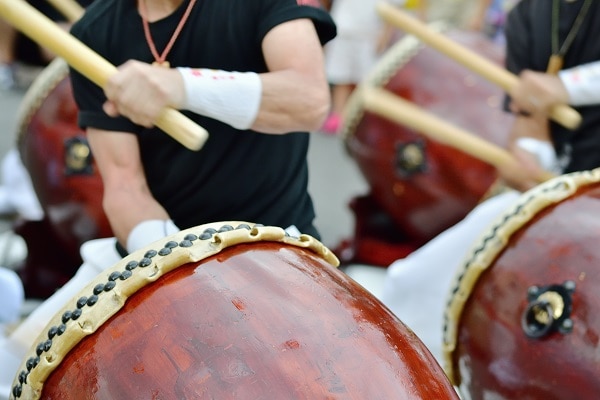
x: 334, y: 180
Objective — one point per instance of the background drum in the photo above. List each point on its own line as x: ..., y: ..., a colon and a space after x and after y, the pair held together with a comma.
x: 523, y: 320
x: 422, y: 186
x: 229, y: 311
x: 56, y: 154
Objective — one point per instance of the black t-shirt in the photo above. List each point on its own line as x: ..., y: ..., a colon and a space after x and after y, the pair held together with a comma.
x: 52, y: 12
x: 528, y: 36
x: 237, y: 175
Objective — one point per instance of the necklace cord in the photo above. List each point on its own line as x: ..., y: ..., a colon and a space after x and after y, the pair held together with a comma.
x: 572, y: 32
x: 161, y: 58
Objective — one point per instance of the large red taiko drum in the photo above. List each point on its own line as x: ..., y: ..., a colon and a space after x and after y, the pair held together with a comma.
x: 523, y: 320
x: 425, y: 186
x: 228, y: 311
x: 56, y: 154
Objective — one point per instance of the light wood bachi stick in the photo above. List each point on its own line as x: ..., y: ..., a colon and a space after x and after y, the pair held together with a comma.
x: 395, y: 108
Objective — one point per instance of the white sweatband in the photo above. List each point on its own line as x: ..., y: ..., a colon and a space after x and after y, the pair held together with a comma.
x: 293, y: 231
x: 230, y: 97
x: 542, y: 149
x: 149, y: 231
x: 582, y: 84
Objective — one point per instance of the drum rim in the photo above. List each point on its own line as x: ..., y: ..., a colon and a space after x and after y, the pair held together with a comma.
x: 490, y: 245
x: 397, y: 56
x: 190, y: 245
x: 54, y: 73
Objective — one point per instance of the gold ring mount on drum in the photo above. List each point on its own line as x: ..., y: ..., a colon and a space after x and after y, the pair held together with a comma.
x: 78, y: 156
x: 410, y: 158
x: 549, y: 310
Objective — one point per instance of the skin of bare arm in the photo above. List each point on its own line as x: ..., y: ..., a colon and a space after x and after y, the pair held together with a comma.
x: 527, y: 172
x: 294, y: 57
x: 127, y: 200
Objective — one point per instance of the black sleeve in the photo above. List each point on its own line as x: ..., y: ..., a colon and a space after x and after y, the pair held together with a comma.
x: 89, y: 97
x: 276, y: 12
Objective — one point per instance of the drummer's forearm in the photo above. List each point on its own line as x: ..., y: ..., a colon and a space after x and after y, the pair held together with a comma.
x: 529, y: 126
x: 127, y: 199
x: 125, y: 209
x: 281, y: 113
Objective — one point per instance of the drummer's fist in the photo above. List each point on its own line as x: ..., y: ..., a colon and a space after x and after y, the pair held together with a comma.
x: 140, y: 92
x: 537, y: 93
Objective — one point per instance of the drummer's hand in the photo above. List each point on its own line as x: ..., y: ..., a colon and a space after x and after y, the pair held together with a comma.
x: 537, y: 93
x: 525, y: 173
x: 141, y: 91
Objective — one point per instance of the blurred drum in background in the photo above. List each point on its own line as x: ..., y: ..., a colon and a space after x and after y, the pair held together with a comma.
x: 229, y: 310
x: 55, y: 152
x: 523, y: 320
x: 424, y: 186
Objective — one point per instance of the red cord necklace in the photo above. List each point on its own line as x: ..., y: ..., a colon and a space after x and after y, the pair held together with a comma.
x: 160, y: 59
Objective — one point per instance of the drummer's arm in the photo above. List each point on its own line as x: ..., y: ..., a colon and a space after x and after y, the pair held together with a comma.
x: 127, y: 199
x: 293, y: 96
x: 529, y: 143
x: 295, y: 91
x: 529, y: 137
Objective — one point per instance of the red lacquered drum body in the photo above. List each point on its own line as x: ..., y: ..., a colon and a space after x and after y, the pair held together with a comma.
x: 258, y: 315
x: 65, y: 179
x: 423, y: 185
x: 524, y: 317
x: 55, y: 152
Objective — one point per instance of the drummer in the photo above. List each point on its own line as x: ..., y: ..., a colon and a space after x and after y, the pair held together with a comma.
x: 251, y: 73
x: 416, y: 287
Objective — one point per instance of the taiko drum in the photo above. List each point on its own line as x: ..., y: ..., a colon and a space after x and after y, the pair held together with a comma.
x: 523, y: 321
x: 56, y: 154
x: 423, y: 185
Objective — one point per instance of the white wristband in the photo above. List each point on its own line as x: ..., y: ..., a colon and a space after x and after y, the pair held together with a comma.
x: 229, y: 97
x: 149, y: 231
x: 542, y: 149
x: 582, y: 84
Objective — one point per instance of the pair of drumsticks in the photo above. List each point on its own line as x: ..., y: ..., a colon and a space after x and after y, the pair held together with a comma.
x: 45, y: 32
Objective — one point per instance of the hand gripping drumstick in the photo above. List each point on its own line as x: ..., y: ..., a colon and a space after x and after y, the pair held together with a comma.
x: 563, y: 114
x: 96, y: 68
x: 397, y: 109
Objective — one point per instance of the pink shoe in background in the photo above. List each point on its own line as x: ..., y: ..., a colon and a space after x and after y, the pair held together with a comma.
x: 332, y: 124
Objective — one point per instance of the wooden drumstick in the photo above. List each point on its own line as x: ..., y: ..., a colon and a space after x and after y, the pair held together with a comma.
x: 70, y: 9
x: 397, y: 109
x: 563, y: 114
x: 42, y: 30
